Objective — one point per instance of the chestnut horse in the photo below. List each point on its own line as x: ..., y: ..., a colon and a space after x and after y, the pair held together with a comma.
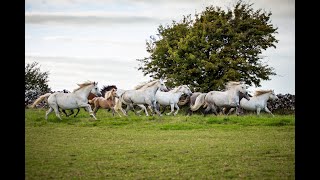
x: 106, y: 103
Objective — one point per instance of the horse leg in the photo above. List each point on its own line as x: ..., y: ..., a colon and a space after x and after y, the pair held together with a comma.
x: 258, y: 111
x: 129, y: 106
x: 172, y: 109
x: 123, y: 111
x: 56, y: 110
x: 153, y: 105
x: 177, y: 107
x: 77, y: 112
x: 230, y: 111
x: 117, y: 111
x: 95, y: 110
x: 151, y: 110
x: 268, y: 111
x: 72, y: 112
x: 48, y: 112
x: 143, y: 108
x: 214, y: 109
x: 64, y: 112
x: 189, y: 112
x: 88, y: 107
x: 163, y: 109
x: 207, y: 110
x: 112, y: 111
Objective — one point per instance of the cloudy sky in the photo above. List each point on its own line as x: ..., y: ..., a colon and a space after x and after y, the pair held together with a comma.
x: 100, y: 40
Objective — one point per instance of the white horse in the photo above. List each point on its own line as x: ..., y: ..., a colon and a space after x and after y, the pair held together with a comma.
x: 118, y: 104
x: 77, y: 99
x: 172, y: 97
x: 259, y: 101
x: 143, y: 94
x: 227, y: 98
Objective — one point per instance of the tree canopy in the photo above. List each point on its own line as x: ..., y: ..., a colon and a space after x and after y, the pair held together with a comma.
x: 35, y: 82
x: 214, y: 47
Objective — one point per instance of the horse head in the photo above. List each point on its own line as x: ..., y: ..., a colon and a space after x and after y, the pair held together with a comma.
x: 186, y: 90
x: 163, y: 87
x: 242, y: 89
x: 245, y: 95
x: 111, y: 94
x: 273, y: 96
x: 95, y: 89
x: 114, y: 93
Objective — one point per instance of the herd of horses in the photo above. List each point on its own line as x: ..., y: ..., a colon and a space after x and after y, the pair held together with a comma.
x: 153, y: 94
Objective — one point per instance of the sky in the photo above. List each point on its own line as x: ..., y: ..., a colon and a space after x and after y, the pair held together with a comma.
x: 101, y: 40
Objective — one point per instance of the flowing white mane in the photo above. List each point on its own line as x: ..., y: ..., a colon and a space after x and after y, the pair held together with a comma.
x: 260, y: 92
x: 176, y: 89
x: 232, y: 84
x: 82, y: 85
x: 146, y: 85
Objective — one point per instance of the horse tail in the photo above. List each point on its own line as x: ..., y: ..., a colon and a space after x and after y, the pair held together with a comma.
x: 199, y: 102
x: 41, y: 98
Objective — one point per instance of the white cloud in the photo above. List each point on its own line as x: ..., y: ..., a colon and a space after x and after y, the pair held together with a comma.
x: 85, y: 18
x: 95, y: 40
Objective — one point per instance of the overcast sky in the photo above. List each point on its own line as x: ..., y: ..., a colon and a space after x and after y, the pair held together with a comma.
x: 100, y: 40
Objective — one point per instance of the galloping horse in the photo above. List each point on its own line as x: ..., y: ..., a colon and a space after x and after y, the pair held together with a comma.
x: 227, y: 98
x: 143, y: 94
x: 172, y: 97
x: 77, y: 99
x: 106, y: 102
x: 103, y: 90
x: 259, y: 101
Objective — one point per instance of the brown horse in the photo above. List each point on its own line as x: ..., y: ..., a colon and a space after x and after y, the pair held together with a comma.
x: 106, y: 103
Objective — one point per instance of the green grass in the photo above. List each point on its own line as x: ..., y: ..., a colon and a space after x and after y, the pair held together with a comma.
x: 167, y: 147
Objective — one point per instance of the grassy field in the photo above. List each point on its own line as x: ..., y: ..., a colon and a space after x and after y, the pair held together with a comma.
x: 167, y: 147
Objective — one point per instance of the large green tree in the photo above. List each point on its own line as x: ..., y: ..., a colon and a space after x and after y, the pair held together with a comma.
x: 36, y: 82
x: 214, y: 47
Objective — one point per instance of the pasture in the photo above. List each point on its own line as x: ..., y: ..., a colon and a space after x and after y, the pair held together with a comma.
x: 167, y: 147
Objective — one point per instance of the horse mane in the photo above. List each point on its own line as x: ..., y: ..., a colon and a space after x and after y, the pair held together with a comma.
x: 231, y: 84
x: 176, y: 89
x: 260, y: 92
x: 145, y: 85
x: 104, y: 89
x: 87, y: 83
